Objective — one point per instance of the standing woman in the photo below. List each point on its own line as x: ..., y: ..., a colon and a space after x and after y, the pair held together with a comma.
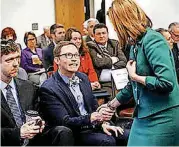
x: 153, y: 81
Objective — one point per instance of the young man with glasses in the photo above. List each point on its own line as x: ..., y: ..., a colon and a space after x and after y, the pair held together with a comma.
x: 66, y: 98
x: 18, y: 96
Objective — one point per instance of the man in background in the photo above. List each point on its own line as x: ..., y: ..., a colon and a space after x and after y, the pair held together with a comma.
x: 106, y: 54
x: 57, y: 32
x: 44, y: 39
x: 91, y: 22
x: 174, y: 31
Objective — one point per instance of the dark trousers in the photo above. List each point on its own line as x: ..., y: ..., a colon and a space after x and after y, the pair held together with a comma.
x: 94, y: 138
x: 56, y: 136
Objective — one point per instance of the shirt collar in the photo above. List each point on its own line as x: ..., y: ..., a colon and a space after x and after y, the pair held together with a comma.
x: 65, y: 78
x: 103, y: 45
x: 54, y: 43
x: 3, y: 84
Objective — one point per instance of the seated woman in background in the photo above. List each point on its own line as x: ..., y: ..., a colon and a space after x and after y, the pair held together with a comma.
x: 31, y: 59
x: 9, y: 33
x: 86, y: 65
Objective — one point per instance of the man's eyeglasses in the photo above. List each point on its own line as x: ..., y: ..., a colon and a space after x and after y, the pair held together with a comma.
x: 70, y: 55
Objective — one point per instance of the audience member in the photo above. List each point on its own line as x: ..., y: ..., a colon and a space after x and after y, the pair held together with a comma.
x: 85, y: 31
x: 18, y: 96
x: 31, y: 59
x: 106, y: 54
x: 57, y: 33
x: 174, y: 31
x: 66, y: 98
x: 86, y: 65
x: 45, y: 39
x: 9, y: 33
x: 153, y: 80
x: 91, y: 22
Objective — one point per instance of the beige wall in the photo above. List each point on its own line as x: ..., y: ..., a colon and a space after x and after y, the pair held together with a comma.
x: 70, y: 13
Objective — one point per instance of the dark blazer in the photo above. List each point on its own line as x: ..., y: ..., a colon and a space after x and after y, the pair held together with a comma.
x: 154, y: 60
x: 101, y: 60
x: 175, y: 52
x: 88, y: 38
x: 48, y: 56
x: 58, y: 105
x: 27, y: 94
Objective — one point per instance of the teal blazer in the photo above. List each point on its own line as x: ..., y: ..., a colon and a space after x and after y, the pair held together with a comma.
x: 154, y: 60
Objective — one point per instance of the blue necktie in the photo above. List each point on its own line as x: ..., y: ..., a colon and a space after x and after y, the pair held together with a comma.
x: 13, y: 106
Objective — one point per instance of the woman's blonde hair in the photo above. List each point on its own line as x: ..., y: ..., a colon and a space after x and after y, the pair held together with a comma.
x: 128, y: 19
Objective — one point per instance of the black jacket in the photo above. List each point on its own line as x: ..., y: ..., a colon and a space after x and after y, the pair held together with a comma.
x: 27, y: 95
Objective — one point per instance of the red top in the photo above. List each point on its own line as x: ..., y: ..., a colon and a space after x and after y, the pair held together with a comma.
x: 86, y: 66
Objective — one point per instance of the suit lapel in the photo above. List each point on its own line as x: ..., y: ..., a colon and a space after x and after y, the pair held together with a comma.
x: 63, y: 86
x: 5, y: 106
x: 20, y: 94
x: 21, y: 98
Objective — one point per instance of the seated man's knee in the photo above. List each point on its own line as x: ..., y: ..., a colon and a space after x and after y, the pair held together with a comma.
x: 108, y: 141
x: 65, y: 134
x: 63, y: 129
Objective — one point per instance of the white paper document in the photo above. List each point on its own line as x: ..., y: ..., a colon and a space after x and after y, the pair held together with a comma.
x: 120, y: 77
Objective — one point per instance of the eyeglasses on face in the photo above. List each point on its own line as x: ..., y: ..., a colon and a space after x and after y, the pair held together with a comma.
x: 70, y: 55
x: 31, y: 39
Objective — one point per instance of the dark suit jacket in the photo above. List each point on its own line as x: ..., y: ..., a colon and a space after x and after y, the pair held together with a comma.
x: 58, y: 105
x: 48, y: 56
x: 101, y: 16
x: 175, y: 52
x: 27, y: 94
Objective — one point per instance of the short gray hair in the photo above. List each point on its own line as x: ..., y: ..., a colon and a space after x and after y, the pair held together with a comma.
x: 172, y: 25
x: 91, y: 19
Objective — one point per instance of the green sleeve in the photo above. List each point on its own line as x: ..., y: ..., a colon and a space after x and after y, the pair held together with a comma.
x: 158, y: 54
x: 125, y: 94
